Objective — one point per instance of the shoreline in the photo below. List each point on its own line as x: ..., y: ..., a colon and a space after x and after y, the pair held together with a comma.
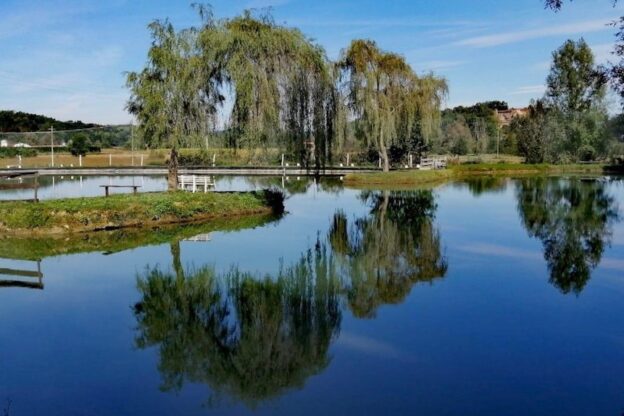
x: 457, y: 172
x: 123, y: 211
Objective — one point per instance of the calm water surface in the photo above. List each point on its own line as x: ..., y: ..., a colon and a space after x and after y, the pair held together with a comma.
x: 484, y: 298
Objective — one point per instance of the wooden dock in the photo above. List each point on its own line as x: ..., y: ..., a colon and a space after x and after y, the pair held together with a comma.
x: 21, y: 174
x: 216, y: 171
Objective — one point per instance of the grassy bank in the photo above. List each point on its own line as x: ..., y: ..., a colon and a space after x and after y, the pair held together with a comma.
x: 415, y: 177
x: 78, y: 215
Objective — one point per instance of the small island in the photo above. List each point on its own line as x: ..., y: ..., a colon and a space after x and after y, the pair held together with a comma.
x: 79, y: 215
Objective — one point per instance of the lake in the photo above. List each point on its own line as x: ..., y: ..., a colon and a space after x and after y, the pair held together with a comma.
x: 486, y: 297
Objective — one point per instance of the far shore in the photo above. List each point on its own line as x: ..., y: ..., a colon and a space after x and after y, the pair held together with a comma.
x: 428, y: 177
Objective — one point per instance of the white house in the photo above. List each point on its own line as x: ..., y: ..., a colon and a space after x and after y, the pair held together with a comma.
x: 4, y: 143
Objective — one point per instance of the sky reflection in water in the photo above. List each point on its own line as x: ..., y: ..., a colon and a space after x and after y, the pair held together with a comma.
x: 487, y: 297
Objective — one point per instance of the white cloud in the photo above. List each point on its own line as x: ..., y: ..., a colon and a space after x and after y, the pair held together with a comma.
x: 505, y: 38
x: 438, y: 65
x: 485, y: 249
x: 371, y: 346
x: 529, y: 90
x: 260, y: 4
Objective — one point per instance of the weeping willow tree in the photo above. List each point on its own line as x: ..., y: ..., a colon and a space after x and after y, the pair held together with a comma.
x: 386, y: 97
x: 280, y: 82
x: 283, y: 91
x: 176, y: 96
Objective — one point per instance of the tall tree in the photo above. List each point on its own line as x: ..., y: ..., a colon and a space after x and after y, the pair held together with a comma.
x: 281, y: 82
x: 176, y: 95
x: 382, y: 90
x: 574, y: 83
x: 614, y: 71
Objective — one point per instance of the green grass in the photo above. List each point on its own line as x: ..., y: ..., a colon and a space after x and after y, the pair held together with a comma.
x: 415, y: 177
x: 120, y: 211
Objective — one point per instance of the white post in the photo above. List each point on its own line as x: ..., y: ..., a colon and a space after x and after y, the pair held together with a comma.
x: 205, y: 184
x: 194, y: 183
x: 110, y: 159
x: 132, y: 140
x: 141, y: 160
x: 214, y: 159
x: 80, y: 160
x: 52, y: 144
x: 19, y: 161
x: 182, y: 184
x: 283, y: 167
x: 348, y: 159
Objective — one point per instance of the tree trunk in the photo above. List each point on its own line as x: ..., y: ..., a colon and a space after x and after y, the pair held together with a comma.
x: 383, y: 153
x: 172, y: 175
x: 177, y: 262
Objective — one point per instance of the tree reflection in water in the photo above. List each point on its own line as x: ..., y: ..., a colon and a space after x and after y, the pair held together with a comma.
x: 573, y: 218
x: 384, y: 254
x: 251, y: 338
x: 248, y: 337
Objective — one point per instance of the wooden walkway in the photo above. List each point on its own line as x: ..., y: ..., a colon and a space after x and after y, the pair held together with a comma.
x: 21, y: 174
x: 268, y: 171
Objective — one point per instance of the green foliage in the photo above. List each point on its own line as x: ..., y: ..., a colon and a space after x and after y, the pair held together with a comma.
x: 286, y: 94
x: 17, y: 151
x: 575, y: 84
x: 551, y: 136
x: 387, y: 98
x: 79, y: 145
x: 473, y: 129
x: 17, y: 121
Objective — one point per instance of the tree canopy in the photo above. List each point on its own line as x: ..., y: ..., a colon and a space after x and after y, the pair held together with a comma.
x: 386, y: 97
x: 268, y: 85
x: 575, y: 83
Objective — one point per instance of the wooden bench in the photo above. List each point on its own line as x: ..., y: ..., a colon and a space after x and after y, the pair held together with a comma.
x: 107, y: 187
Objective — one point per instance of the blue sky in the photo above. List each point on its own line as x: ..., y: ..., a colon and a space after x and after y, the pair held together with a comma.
x: 66, y: 58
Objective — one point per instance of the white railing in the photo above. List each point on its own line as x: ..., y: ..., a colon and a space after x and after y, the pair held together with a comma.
x: 196, y: 182
x: 432, y: 163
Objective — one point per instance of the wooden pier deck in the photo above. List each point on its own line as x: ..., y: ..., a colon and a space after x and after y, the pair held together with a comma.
x: 157, y: 171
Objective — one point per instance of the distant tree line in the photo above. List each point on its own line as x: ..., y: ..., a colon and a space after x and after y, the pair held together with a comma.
x: 33, y: 129
x: 17, y: 121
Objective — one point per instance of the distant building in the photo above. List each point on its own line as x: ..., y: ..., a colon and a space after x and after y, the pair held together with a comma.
x: 4, y: 143
x: 21, y: 145
x: 506, y: 116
